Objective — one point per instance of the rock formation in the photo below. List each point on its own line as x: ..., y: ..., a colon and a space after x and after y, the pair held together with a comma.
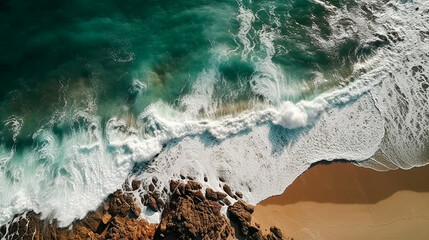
x: 187, y: 214
x: 114, y: 219
x: 241, y: 213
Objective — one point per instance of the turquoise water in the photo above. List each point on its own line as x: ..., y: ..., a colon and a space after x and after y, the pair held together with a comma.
x: 54, y: 53
x: 79, y: 79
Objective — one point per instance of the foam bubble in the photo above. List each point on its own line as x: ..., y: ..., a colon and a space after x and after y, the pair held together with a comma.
x: 299, y: 115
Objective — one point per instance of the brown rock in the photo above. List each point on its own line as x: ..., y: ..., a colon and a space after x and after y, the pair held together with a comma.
x: 227, y: 189
x: 126, y: 186
x: 155, y: 180
x: 173, y: 185
x: 239, y: 194
x: 144, y: 198
x: 181, y: 188
x: 151, y: 187
x: 221, y: 195
x: 156, y: 194
x: 241, y: 213
x: 186, y: 216
x: 135, y: 209
x: 119, y: 204
x: 130, y: 229
x: 136, y: 184
x: 190, y: 216
x: 226, y: 201
x: 151, y: 203
x: 198, y: 196
x: 276, y: 231
x: 211, y: 195
x: 194, y: 185
x: 160, y: 203
x: 106, y: 218
x: 96, y: 225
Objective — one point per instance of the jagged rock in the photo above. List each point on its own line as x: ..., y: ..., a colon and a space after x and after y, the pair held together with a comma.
x: 144, y: 198
x: 156, y: 194
x: 227, y: 189
x: 151, y: 203
x: 130, y: 229
x: 226, y: 201
x: 198, y: 196
x: 194, y: 185
x: 190, y: 216
x: 155, y: 180
x: 213, y: 195
x: 221, y: 195
x: 187, y: 215
x: 181, y: 188
x: 107, y: 222
x: 276, y: 231
x: 241, y: 213
x: 120, y: 204
x: 173, y: 185
x: 126, y: 186
x: 160, y: 203
x: 106, y: 218
x: 135, y: 209
x: 136, y: 184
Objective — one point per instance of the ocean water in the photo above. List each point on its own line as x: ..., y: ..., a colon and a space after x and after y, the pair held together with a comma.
x: 93, y: 94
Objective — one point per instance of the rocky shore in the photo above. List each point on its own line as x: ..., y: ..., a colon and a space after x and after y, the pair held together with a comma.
x: 190, y: 212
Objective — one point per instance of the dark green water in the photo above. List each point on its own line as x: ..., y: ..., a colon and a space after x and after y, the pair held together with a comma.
x: 58, y: 55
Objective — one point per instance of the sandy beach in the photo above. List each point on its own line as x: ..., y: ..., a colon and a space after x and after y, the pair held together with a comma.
x: 344, y: 201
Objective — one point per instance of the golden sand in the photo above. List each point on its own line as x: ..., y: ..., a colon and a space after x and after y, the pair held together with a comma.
x: 343, y: 201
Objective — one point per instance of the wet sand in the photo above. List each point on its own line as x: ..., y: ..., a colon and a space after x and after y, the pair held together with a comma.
x: 343, y: 201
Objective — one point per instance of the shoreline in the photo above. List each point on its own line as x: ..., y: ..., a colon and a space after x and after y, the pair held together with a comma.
x: 343, y: 201
x: 336, y: 200
x: 191, y: 212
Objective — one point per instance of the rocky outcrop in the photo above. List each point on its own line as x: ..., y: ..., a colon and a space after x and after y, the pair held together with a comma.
x: 189, y: 215
x: 116, y: 218
x: 241, y: 213
x: 152, y: 198
x: 213, y: 195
